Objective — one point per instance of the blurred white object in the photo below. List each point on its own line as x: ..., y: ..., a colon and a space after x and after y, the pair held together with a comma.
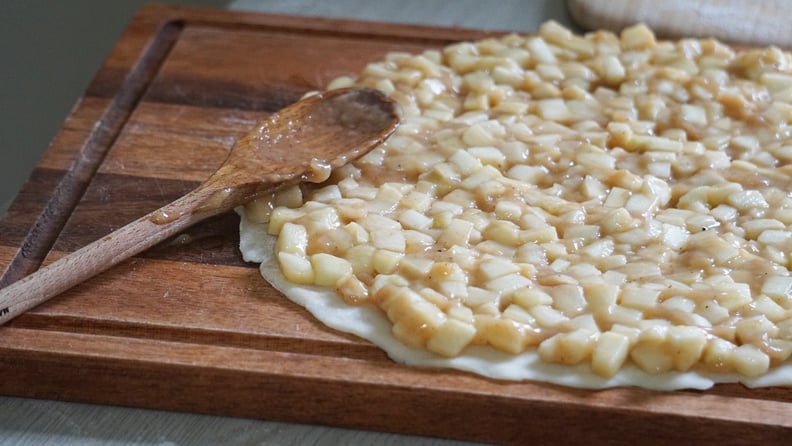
x: 747, y: 22
x: 500, y: 15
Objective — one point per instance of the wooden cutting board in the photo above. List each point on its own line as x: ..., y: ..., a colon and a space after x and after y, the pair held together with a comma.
x: 188, y: 326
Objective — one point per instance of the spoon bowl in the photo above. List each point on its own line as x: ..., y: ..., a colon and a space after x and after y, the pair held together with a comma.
x: 303, y: 142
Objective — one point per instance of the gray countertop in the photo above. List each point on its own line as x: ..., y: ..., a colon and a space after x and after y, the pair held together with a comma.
x: 51, y: 50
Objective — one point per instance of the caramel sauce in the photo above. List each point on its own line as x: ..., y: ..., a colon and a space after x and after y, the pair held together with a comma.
x: 163, y: 217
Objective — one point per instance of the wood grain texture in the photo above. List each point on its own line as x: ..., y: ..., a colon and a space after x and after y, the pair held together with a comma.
x: 188, y: 326
x: 313, y: 130
x: 759, y: 22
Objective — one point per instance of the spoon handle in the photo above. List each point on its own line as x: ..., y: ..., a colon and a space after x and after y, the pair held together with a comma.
x: 104, y: 253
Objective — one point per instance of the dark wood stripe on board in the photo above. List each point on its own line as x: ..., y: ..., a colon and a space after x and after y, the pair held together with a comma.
x: 67, y: 193
x: 113, y: 200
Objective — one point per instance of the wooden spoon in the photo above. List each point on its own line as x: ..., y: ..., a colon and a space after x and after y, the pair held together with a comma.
x: 302, y: 142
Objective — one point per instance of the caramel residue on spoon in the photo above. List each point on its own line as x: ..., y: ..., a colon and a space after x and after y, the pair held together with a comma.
x: 163, y: 216
x: 301, y: 143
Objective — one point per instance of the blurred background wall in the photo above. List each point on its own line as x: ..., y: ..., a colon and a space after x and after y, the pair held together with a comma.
x: 49, y: 52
